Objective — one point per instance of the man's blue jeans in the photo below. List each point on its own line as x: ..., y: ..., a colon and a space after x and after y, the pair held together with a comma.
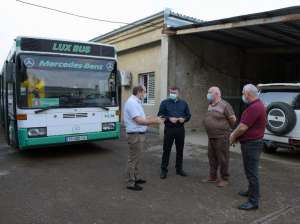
x: 251, y: 151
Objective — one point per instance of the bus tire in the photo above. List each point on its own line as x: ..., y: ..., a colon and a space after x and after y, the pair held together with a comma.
x: 11, y: 134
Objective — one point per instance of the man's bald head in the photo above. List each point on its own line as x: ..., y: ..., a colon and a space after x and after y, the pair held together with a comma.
x: 250, y: 93
x: 251, y: 90
x: 215, y: 93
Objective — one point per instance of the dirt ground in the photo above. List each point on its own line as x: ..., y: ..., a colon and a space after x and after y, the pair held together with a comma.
x: 85, y: 184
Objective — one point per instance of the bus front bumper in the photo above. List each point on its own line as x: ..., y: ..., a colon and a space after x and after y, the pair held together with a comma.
x: 25, y: 142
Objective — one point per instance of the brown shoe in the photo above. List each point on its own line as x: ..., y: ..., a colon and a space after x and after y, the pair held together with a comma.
x: 222, y: 183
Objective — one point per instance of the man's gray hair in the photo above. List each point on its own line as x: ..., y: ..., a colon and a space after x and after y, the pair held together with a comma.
x: 250, y: 88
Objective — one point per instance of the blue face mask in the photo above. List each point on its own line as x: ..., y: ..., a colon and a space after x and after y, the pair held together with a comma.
x: 209, y: 97
x: 244, y: 99
x: 173, y: 96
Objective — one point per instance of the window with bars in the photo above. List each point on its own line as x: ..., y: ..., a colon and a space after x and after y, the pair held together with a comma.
x: 148, y: 80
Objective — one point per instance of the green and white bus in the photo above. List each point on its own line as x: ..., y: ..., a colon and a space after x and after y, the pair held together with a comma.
x: 59, y: 92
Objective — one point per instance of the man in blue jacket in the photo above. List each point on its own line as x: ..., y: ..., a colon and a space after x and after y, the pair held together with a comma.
x: 176, y: 112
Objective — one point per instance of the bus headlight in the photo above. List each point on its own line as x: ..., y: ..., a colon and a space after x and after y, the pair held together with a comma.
x: 37, y: 132
x: 109, y: 126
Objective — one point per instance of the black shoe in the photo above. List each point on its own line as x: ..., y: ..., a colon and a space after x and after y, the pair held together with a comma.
x: 140, y: 181
x: 181, y: 173
x: 135, y: 188
x: 244, y: 193
x: 163, y: 175
x: 248, y: 206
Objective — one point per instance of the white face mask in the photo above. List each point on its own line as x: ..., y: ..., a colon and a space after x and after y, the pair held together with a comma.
x: 244, y: 99
x: 210, y: 97
x: 173, y: 96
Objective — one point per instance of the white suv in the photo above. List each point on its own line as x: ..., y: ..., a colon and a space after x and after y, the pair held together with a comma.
x: 283, y: 115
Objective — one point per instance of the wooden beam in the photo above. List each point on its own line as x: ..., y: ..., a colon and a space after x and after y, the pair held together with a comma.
x: 293, y: 25
x: 238, y: 38
x: 274, y: 50
x: 221, y: 40
x: 267, y: 36
x: 282, y: 32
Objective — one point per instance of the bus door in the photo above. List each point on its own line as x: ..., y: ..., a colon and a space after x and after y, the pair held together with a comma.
x: 10, y: 100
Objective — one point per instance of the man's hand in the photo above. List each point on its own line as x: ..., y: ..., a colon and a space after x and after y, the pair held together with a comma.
x: 173, y: 120
x: 239, y: 131
x: 232, y: 121
x: 181, y: 120
x: 232, y: 139
x: 155, y: 120
x: 162, y: 120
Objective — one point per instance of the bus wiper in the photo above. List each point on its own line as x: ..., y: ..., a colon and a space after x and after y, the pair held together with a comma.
x: 48, y: 108
x: 102, y: 107
x: 54, y: 107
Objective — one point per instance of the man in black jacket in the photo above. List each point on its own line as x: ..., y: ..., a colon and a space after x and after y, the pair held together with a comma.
x: 176, y: 112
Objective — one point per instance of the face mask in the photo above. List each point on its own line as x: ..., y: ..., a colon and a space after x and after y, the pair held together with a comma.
x: 173, y: 96
x: 244, y: 99
x: 209, y: 97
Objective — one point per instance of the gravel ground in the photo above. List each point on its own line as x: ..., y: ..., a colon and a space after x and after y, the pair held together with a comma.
x: 85, y: 184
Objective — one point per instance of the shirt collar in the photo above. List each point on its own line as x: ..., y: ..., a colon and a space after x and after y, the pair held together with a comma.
x: 215, y: 104
x: 137, y: 99
x: 254, y: 101
x: 174, y: 101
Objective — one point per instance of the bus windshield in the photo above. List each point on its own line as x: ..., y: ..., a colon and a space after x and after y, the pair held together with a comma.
x: 57, y: 81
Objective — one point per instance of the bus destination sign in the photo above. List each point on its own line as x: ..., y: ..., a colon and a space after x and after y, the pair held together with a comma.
x: 66, y: 47
x: 72, y: 48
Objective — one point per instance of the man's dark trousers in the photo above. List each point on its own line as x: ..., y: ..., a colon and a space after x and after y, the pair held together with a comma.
x: 251, y: 151
x: 176, y: 133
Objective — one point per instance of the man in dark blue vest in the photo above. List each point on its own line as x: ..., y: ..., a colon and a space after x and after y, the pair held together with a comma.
x: 176, y: 113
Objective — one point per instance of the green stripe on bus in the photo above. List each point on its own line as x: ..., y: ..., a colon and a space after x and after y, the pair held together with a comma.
x: 25, y: 142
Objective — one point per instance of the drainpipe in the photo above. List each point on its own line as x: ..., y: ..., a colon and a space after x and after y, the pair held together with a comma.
x: 164, y: 73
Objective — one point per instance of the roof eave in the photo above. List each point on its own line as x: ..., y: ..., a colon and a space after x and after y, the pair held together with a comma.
x: 129, y: 26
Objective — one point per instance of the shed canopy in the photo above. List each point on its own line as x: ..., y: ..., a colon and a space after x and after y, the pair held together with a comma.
x: 275, y: 30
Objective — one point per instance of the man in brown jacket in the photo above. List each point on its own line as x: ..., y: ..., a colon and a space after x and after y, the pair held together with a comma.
x: 218, y: 122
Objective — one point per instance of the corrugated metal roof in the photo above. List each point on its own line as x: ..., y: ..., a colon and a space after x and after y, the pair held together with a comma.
x: 282, y: 32
x: 173, y: 19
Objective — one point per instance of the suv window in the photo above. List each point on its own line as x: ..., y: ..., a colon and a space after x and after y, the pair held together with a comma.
x: 291, y: 97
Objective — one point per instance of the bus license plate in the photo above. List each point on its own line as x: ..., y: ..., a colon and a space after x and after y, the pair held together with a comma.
x: 76, y: 138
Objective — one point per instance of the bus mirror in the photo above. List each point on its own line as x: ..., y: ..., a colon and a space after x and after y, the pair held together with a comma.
x: 126, y: 78
x: 10, y: 70
x: 118, y: 78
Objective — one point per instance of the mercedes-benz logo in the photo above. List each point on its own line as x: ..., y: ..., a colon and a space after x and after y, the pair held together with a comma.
x: 276, y: 118
x: 29, y: 62
x: 110, y: 66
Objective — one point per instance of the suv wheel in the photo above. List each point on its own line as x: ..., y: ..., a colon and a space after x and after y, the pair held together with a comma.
x: 281, y: 118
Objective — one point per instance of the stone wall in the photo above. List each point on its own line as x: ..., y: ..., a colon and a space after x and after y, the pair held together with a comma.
x: 196, y: 64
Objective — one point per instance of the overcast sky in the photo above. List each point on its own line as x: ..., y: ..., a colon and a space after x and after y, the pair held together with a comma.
x: 20, y: 19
